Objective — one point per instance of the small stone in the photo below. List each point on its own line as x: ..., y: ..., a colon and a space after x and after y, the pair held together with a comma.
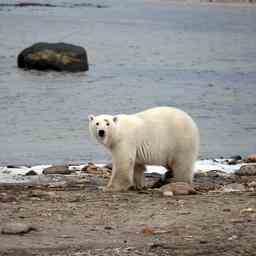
x: 108, y: 166
x: 232, y: 161
x: 31, y: 173
x: 10, y: 166
x: 179, y: 188
x: 168, y: 193
x: 247, y: 170
x: 90, y: 168
x: 57, y: 169
x: 252, y: 184
x: 247, y: 211
x: 108, y: 228
x: 184, y: 213
x: 232, y: 238
x: 236, y: 157
x: 233, y: 187
x: 250, y: 159
x: 226, y: 210
x: 17, y: 228
x: 237, y: 221
x: 148, y: 231
x: 5, y: 198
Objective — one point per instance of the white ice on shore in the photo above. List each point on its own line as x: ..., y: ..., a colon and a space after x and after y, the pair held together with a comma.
x: 17, y: 174
x: 203, y: 166
x: 216, y: 165
x: 21, y: 170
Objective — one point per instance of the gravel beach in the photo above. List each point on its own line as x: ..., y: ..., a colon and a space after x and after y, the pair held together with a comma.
x: 72, y: 216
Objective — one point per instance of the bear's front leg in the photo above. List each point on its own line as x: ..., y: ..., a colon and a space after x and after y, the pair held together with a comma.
x: 138, y: 177
x: 123, y: 170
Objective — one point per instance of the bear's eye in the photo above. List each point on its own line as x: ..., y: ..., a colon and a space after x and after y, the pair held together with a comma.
x: 97, y: 123
x: 107, y: 124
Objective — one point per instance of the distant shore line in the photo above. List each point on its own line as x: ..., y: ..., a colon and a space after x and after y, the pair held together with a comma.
x: 225, y: 2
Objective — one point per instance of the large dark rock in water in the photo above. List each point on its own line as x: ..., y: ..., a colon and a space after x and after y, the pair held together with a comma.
x: 54, y: 56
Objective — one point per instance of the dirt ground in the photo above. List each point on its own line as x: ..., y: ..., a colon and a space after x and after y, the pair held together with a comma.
x: 77, y: 218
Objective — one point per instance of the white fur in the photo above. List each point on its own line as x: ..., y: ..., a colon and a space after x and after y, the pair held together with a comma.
x: 159, y: 136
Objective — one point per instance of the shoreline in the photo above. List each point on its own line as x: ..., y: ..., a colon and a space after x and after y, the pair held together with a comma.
x: 12, y: 174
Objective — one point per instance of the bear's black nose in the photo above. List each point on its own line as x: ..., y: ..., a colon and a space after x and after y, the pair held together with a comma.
x: 101, y: 133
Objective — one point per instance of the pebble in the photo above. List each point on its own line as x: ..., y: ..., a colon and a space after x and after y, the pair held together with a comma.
x: 247, y: 211
x: 252, y: 184
x: 233, y: 187
x: 108, y: 228
x: 5, y: 198
x: 232, y: 238
x: 148, y: 231
x: 168, y: 193
x: 234, y: 160
x: 16, y: 228
x: 30, y: 173
x: 250, y: 159
x: 108, y: 166
x: 90, y: 168
x: 95, y: 170
x: 236, y: 157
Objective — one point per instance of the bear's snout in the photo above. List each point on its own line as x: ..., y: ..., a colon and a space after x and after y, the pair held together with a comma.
x: 101, y: 133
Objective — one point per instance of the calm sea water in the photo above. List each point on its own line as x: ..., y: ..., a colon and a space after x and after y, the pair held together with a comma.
x: 199, y: 58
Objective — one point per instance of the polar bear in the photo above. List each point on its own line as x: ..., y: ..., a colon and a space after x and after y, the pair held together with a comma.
x: 163, y: 136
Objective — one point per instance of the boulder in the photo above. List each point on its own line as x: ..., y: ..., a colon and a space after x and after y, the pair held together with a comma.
x: 54, y: 56
x: 247, y: 170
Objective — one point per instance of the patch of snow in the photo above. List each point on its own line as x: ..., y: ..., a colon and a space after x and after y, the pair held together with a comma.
x: 215, y: 165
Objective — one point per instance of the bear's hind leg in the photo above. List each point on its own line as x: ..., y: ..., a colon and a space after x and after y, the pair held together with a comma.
x: 138, y: 176
x: 182, y: 169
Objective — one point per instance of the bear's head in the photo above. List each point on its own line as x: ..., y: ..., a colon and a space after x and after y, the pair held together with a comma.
x: 103, y: 128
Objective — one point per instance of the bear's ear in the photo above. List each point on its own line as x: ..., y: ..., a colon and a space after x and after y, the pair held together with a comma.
x: 91, y: 117
x: 115, y: 119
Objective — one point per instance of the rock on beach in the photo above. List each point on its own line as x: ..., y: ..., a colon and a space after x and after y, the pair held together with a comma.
x: 57, y: 169
x: 177, y: 188
x: 16, y: 228
x: 247, y: 170
x: 54, y: 56
x: 250, y: 159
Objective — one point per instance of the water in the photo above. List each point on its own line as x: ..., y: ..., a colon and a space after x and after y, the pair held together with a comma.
x: 200, y: 58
